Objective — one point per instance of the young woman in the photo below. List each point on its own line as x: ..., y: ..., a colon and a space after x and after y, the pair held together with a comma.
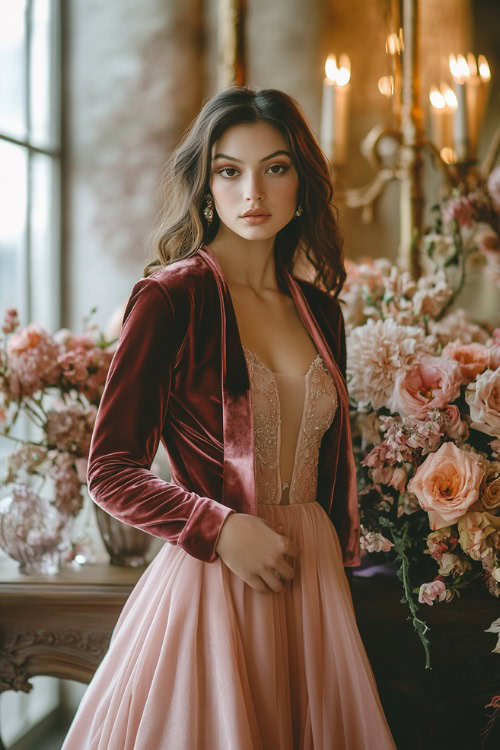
x: 241, y: 634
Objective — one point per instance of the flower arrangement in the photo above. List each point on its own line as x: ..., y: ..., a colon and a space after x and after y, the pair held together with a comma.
x: 424, y: 386
x: 56, y: 381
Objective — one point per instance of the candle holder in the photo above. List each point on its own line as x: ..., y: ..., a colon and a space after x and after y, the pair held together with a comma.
x: 396, y: 153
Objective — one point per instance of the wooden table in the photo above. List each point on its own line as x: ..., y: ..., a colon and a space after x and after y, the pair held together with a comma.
x: 61, y: 626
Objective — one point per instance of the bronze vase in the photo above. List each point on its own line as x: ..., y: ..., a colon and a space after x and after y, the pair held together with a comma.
x: 126, y: 545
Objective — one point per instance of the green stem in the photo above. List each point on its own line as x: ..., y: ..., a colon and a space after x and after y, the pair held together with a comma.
x: 400, y: 544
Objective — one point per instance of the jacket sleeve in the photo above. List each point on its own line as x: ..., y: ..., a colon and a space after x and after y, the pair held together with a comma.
x: 128, y: 427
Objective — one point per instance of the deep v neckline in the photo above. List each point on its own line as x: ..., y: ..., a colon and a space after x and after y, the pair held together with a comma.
x: 283, y: 374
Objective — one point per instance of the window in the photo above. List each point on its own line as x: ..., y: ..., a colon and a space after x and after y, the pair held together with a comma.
x: 30, y: 151
x: 30, y: 154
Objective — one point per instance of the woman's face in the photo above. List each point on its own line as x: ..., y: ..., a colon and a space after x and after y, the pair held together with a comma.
x: 252, y: 169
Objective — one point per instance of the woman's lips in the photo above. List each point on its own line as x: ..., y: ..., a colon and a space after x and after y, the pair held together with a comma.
x: 256, y: 219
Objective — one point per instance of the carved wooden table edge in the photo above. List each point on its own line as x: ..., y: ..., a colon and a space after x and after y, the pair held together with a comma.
x: 58, y: 626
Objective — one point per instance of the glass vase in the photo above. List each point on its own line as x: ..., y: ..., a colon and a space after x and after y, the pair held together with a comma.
x: 33, y: 532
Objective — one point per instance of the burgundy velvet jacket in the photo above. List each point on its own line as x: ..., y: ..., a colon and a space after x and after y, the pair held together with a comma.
x: 179, y: 375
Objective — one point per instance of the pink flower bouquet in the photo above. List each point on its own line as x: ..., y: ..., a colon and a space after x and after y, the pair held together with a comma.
x: 424, y: 386
x: 56, y: 382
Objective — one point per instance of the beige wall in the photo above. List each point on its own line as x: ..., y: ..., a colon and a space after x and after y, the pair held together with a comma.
x: 137, y: 73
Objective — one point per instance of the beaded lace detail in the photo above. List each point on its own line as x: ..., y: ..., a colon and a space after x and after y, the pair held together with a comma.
x: 320, y: 406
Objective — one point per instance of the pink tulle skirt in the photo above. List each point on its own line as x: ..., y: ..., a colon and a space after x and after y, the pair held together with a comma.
x: 199, y: 660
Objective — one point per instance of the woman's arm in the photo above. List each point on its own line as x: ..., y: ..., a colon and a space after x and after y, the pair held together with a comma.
x: 128, y: 427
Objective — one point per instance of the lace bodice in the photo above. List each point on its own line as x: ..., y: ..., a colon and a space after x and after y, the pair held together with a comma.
x: 298, y: 409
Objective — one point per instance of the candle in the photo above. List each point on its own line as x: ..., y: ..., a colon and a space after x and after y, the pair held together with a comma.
x: 443, y: 105
x: 334, y: 109
x: 460, y: 72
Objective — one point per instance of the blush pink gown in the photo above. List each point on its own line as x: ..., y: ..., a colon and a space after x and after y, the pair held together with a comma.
x: 199, y: 660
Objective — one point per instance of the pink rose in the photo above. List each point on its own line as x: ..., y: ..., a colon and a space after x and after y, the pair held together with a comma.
x: 447, y: 484
x: 472, y: 358
x: 431, y: 384
x: 455, y: 427
x: 483, y: 397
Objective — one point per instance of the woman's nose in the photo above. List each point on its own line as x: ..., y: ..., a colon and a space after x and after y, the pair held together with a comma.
x: 253, y: 188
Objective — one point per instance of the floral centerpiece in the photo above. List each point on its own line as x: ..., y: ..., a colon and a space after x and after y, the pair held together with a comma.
x: 424, y: 385
x: 56, y: 381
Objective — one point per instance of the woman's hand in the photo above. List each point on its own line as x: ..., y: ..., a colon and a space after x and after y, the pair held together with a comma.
x: 252, y: 550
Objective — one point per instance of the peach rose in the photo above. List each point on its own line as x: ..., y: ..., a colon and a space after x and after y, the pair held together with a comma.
x: 472, y: 358
x: 483, y: 397
x: 431, y: 384
x: 447, y: 484
x: 491, y: 491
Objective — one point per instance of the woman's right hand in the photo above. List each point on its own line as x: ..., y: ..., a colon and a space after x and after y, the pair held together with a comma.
x: 254, y: 551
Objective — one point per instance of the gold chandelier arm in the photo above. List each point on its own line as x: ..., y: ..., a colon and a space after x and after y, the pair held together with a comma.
x: 491, y: 155
x: 366, y: 196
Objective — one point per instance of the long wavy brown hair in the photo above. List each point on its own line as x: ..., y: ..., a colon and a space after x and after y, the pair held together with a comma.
x: 182, y: 228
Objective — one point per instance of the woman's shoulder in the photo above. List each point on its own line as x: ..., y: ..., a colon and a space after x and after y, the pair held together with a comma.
x: 180, y: 281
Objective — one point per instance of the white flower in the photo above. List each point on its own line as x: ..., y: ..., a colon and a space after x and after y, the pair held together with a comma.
x: 376, y: 352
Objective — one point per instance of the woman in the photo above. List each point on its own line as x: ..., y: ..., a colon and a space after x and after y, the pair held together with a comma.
x: 241, y: 633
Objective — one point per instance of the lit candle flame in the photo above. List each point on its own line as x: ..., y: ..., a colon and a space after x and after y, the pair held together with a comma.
x: 394, y: 43
x: 436, y: 98
x: 341, y: 74
x: 449, y: 96
x: 484, y: 68
x: 459, y: 68
x: 386, y: 85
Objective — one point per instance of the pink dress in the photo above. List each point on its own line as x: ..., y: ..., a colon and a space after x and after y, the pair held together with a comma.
x: 199, y: 660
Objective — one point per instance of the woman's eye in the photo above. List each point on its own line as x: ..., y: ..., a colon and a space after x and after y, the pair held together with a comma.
x: 284, y: 167
x: 274, y: 167
x: 226, y: 169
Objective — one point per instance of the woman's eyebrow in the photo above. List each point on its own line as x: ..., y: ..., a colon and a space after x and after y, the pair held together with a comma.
x: 271, y: 156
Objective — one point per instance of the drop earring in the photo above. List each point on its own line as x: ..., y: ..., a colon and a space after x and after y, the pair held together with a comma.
x: 298, y: 212
x: 208, y: 210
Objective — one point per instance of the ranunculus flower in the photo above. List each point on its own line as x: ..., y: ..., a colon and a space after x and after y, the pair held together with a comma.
x: 447, y: 484
x: 472, y: 358
x: 483, y: 397
x: 430, y: 384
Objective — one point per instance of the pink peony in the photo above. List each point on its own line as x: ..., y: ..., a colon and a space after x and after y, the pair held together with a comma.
x: 472, y: 358
x: 430, y: 384
x: 447, y: 484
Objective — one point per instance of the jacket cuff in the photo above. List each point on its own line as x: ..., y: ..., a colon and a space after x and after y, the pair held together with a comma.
x: 200, y: 534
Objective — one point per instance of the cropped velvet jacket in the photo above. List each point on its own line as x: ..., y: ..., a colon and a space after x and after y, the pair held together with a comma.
x: 179, y: 376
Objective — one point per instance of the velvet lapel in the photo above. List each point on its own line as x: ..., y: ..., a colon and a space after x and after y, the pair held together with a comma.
x: 239, y: 472
x: 238, y: 488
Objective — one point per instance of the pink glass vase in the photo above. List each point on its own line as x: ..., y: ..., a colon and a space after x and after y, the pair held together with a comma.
x: 33, y: 531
